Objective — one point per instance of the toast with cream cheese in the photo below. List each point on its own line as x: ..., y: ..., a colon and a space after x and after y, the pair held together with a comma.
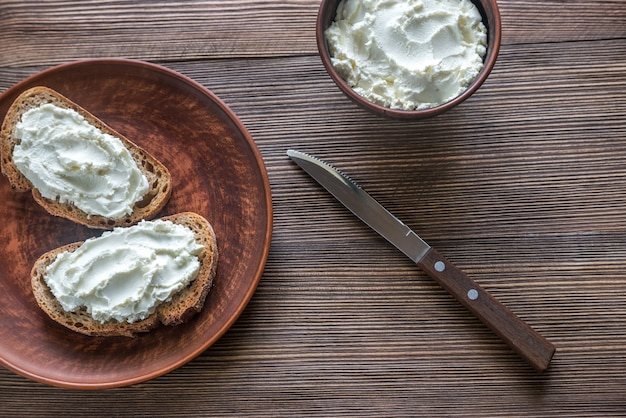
x: 154, y: 177
x: 178, y: 308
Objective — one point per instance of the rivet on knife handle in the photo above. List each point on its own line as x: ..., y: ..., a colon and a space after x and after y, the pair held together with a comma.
x: 529, y: 344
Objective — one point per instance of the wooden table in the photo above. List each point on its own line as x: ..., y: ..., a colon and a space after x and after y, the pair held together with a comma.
x: 523, y: 186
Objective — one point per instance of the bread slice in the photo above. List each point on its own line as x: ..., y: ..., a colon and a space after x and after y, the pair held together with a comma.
x: 158, y: 176
x: 180, y: 308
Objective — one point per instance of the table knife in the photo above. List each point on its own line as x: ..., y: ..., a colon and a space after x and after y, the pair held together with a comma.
x: 528, y: 343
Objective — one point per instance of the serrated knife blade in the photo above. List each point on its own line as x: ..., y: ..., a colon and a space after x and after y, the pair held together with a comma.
x: 528, y: 343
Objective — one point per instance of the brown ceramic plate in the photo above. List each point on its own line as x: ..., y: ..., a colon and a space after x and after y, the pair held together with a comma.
x: 217, y: 172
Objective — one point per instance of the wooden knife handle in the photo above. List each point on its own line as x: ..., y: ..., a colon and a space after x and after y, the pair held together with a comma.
x: 527, y: 342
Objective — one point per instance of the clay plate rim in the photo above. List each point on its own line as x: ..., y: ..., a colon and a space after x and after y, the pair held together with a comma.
x: 218, y: 172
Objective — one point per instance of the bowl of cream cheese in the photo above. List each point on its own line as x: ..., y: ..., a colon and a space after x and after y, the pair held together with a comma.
x: 408, y: 59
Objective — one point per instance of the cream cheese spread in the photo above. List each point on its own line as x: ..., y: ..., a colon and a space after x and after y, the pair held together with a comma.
x: 67, y: 158
x: 126, y: 273
x: 407, y: 54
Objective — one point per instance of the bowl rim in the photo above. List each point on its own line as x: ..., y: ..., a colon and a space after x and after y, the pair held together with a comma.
x: 490, y: 13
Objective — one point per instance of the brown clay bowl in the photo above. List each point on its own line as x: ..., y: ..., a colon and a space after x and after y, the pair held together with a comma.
x: 491, y: 19
x: 217, y: 172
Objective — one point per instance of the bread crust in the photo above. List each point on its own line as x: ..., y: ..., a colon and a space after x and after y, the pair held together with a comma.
x: 179, y: 309
x: 158, y: 176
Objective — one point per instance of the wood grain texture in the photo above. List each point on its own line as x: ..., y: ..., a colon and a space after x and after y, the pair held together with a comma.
x: 523, y: 187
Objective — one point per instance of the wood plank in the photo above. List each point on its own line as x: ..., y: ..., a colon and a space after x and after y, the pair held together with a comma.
x: 38, y: 33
